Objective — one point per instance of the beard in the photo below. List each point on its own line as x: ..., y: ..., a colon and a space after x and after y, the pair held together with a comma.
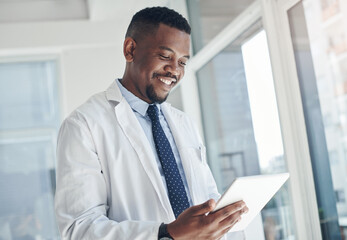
x: 153, y: 97
x: 150, y: 91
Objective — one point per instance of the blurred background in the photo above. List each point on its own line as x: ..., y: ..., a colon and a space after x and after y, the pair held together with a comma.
x: 267, y: 86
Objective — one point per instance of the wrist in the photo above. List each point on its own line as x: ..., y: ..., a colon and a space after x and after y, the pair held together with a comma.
x: 163, y: 233
x: 172, y: 230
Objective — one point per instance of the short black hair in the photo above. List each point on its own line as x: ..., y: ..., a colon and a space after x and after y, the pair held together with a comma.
x: 147, y: 21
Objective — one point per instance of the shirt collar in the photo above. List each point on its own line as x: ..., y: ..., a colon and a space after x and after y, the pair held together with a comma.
x: 135, y: 103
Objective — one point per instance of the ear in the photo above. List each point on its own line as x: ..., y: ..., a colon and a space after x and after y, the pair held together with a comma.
x: 129, y: 49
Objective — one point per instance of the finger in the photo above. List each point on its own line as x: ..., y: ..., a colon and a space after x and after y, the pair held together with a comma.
x: 245, y: 210
x: 225, y: 212
x: 230, y: 221
x: 203, y: 208
x: 226, y: 230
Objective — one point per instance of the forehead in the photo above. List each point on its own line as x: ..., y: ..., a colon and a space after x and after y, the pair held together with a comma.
x: 177, y: 40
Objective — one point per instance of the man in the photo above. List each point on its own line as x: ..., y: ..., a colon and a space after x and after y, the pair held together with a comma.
x: 129, y: 165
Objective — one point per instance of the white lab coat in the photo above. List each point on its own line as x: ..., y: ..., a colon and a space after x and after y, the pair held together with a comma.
x: 108, y: 182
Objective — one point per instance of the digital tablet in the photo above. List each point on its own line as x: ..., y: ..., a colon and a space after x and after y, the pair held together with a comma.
x: 255, y: 191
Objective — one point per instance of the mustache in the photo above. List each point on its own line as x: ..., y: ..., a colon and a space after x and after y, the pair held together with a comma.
x: 165, y: 75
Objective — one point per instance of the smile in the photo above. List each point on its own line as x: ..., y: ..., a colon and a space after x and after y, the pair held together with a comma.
x: 166, y: 81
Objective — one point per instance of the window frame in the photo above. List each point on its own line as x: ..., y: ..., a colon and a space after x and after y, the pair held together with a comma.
x: 295, y: 142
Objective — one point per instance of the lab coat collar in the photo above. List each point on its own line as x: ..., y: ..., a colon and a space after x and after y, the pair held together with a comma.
x: 135, y: 102
x: 113, y: 93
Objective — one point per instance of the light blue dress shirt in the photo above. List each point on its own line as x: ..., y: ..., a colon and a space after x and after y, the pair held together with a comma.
x: 140, y: 109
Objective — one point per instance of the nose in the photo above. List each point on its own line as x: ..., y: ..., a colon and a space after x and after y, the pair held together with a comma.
x: 173, y: 67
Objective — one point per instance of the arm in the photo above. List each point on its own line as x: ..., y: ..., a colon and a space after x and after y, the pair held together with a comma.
x: 81, y: 194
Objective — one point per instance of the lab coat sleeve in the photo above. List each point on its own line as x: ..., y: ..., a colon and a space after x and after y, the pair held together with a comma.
x: 81, y: 195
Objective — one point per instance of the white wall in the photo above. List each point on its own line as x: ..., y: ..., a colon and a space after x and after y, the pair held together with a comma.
x: 89, y: 52
x: 86, y: 71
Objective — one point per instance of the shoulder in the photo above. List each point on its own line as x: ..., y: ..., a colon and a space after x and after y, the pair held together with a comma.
x: 96, y: 107
x: 176, y: 113
x: 185, y: 122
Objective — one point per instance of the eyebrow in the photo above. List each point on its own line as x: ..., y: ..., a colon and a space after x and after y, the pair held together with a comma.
x: 169, y: 49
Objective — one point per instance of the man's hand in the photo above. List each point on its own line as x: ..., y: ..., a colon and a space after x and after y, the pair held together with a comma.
x: 194, y: 224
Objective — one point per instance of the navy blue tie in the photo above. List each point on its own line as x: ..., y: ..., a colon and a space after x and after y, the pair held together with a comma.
x: 177, y: 193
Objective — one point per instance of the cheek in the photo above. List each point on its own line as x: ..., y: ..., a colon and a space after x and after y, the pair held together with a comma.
x: 151, y: 66
x: 157, y: 68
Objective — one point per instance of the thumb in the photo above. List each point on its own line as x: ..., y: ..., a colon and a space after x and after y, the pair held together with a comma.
x: 203, y: 208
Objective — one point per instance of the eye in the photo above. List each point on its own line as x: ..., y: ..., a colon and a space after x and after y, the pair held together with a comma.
x: 164, y: 57
x: 182, y: 63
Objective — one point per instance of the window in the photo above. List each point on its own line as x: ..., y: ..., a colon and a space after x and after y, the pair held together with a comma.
x: 240, y: 118
x: 318, y: 31
x: 241, y: 123
x: 29, y: 118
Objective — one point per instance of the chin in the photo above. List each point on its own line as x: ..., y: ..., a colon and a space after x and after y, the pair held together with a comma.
x: 159, y: 99
x: 154, y: 97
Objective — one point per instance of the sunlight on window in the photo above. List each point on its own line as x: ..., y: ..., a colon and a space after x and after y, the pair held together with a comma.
x: 262, y: 99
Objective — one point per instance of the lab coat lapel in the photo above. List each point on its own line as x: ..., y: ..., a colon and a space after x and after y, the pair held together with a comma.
x: 137, y: 138
x: 174, y: 120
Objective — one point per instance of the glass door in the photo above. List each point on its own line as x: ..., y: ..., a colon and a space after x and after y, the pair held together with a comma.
x: 239, y: 111
x: 319, y: 39
x: 241, y: 124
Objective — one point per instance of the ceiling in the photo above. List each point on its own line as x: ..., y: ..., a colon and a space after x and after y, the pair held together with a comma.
x: 60, y: 10
x: 214, y: 16
x: 14, y: 11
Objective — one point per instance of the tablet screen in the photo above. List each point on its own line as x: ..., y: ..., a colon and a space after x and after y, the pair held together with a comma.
x: 255, y: 191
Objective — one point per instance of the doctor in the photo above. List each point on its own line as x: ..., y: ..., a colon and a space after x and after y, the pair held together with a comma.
x: 130, y: 166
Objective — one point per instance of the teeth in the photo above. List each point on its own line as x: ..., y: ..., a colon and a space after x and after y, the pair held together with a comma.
x: 167, y: 82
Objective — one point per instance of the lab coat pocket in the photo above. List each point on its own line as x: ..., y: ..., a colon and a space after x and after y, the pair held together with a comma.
x: 202, y: 149
x: 194, y: 163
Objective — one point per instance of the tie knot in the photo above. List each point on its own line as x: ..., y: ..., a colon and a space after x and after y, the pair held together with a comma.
x: 153, y: 112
